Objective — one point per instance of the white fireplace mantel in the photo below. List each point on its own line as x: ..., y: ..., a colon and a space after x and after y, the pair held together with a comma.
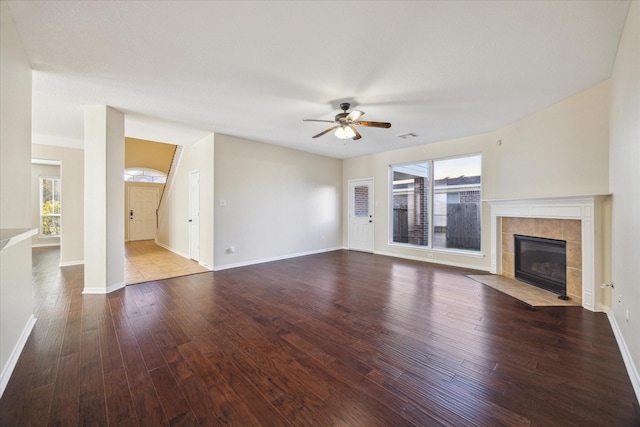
x: 587, y: 208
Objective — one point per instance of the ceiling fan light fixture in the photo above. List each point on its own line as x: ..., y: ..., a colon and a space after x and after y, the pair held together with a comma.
x: 345, y: 124
x: 345, y: 132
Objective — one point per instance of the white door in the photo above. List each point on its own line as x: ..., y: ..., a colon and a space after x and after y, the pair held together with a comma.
x: 143, y: 203
x: 361, y: 215
x: 194, y: 215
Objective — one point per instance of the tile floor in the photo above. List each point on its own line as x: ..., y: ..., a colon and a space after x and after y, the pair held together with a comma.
x: 529, y: 294
x: 145, y: 261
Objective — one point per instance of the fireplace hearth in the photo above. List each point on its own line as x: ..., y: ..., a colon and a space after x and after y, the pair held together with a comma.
x: 542, y: 263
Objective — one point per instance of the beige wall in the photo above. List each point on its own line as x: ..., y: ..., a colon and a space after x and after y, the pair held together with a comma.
x: 37, y: 171
x: 16, y: 295
x: 140, y: 153
x: 173, y: 229
x: 624, y: 170
x: 561, y: 150
x: 15, y: 132
x: 279, y: 202
x: 72, y: 177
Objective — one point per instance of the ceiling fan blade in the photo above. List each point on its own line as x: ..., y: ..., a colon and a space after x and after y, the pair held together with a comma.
x: 358, y: 136
x: 324, y: 121
x: 326, y: 131
x: 354, y: 115
x: 373, y: 124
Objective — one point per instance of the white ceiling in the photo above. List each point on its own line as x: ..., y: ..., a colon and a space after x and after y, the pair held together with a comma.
x: 255, y: 69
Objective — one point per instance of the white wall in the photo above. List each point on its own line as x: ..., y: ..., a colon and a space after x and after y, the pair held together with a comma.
x: 38, y: 171
x: 624, y: 173
x: 279, y: 202
x: 173, y: 229
x: 103, y: 199
x: 72, y: 176
x: 16, y: 295
x: 561, y: 150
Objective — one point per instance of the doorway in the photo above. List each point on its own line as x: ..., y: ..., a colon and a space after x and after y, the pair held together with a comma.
x: 361, y: 215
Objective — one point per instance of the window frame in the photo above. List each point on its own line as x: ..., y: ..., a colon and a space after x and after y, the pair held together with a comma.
x: 42, y: 215
x: 431, y: 200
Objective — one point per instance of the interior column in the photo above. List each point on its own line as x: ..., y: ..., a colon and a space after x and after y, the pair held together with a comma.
x: 103, y: 199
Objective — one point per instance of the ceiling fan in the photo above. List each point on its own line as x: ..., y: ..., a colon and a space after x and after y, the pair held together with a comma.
x: 346, y: 123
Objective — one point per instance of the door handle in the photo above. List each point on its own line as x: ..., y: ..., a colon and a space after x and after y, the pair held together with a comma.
x: 131, y: 214
x: 190, y: 220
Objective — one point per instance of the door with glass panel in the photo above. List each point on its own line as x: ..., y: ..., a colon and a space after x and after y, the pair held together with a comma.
x: 361, y: 215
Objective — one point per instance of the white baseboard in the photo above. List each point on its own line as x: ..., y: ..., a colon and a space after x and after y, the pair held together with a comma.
x: 115, y: 287
x: 207, y: 266
x: 626, y: 356
x: 175, y: 251
x: 8, y: 368
x: 102, y: 291
x: 70, y: 263
x: 276, y: 258
x: 183, y: 255
x: 435, y: 261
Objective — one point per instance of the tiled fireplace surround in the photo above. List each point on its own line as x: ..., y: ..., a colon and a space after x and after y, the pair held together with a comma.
x: 576, y: 219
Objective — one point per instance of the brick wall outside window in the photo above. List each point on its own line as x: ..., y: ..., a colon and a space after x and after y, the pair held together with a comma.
x: 470, y: 196
x: 361, y: 201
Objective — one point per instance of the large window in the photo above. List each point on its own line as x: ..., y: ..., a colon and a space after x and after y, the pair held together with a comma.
x: 50, y: 207
x: 436, y: 203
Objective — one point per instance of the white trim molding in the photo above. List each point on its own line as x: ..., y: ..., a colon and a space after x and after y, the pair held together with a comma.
x: 626, y: 355
x: 170, y: 249
x: 586, y: 208
x: 8, y: 368
x: 103, y: 291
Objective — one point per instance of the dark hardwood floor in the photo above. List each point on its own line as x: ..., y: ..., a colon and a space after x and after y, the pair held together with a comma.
x: 341, y: 338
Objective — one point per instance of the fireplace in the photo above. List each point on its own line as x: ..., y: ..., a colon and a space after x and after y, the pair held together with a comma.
x: 580, y: 222
x: 541, y: 262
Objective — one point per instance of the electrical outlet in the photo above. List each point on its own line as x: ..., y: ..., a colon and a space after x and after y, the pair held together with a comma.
x: 619, y: 298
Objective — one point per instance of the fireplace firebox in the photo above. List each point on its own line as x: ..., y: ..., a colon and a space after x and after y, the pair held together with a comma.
x: 542, y: 263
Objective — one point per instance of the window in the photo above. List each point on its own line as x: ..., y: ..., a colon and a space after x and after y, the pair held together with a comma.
x: 50, y: 207
x: 145, y: 175
x: 437, y: 203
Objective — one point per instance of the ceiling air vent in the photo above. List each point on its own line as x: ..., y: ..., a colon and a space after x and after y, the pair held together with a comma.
x: 407, y: 135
